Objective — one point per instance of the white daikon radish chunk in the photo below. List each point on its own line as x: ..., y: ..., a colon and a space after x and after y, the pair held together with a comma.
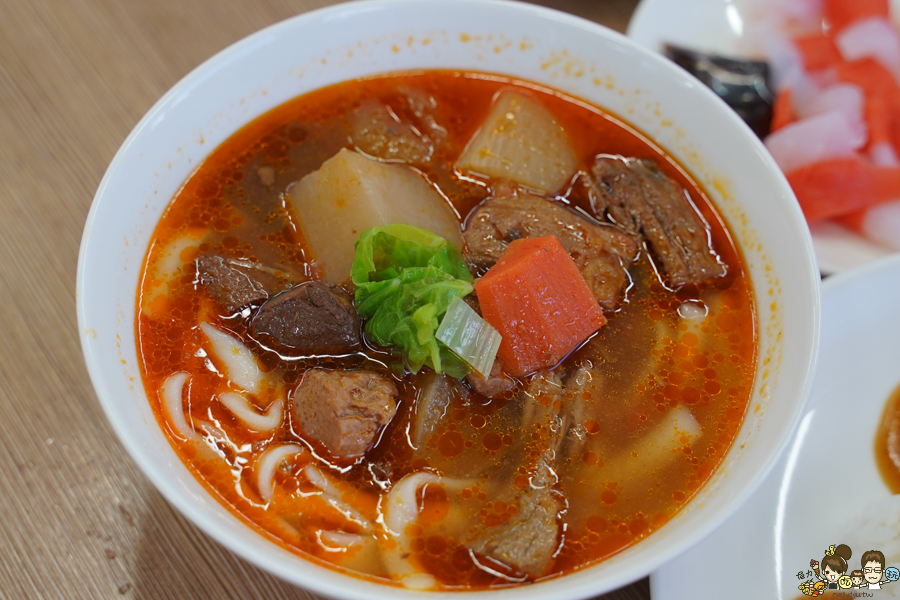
x: 243, y: 409
x: 266, y: 464
x: 333, y: 496
x: 521, y: 141
x: 881, y: 224
x: 401, y: 509
x: 241, y: 367
x: 173, y: 405
x: 874, y: 37
x: 351, y: 193
x: 803, y: 142
x: 169, y: 266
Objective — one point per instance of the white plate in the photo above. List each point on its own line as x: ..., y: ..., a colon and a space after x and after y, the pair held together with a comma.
x: 717, y: 26
x: 798, y: 510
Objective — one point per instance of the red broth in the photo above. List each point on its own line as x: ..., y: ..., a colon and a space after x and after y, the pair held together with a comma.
x: 651, y: 360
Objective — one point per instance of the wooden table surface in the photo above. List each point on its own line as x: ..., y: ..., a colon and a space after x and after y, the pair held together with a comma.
x: 77, y: 517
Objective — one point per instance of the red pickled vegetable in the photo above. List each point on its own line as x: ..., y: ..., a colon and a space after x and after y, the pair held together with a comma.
x: 818, y: 51
x: 879, y: 119
x: 539, y: 302
x: 853, y: 220
x: 895, y: 132
x: 840, y: 186
x: 840, y: 13
x: 872, y: 77
x: 783, y: 110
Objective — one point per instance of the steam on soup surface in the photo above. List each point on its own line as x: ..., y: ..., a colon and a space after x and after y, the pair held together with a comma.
x: 261, y: 363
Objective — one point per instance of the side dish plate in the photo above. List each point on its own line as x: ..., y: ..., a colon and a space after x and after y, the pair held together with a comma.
x: 716, y: 26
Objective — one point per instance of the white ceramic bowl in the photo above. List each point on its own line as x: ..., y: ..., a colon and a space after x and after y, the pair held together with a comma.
x: 356, y: 39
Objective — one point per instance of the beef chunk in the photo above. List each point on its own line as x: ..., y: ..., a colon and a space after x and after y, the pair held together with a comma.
x: 540, y: 403
x: 495, y: 385
x: 424, y: 109
x: 640, y: 198
x: 344, y: 410
x: 237, y: 283
x: 601, y: 252
x: 527, y: 541
x: 402, y: 128
x: 551, y: 416
x: 474, y: 304
x: 312, y: 318
x: 379, y: 132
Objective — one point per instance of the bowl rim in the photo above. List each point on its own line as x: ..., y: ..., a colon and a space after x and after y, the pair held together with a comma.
x: 202, y: 519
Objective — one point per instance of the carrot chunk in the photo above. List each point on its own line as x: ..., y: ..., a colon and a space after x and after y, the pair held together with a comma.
x: 539, y: 302
x: 783, y: 110
x: 840, y: 13
x: 817, y: 51
x: 831, y: 188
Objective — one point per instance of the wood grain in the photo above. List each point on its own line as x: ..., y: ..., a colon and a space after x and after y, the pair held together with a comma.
x: 77, y: 518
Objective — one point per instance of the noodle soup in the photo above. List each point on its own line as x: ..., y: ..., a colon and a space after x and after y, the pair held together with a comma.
x: 281, y: 397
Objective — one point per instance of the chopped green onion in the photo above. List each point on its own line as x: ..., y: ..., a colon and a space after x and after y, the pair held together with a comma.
x: 469, y: 336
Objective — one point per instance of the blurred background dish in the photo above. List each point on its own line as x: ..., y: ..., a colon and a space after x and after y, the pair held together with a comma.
x: 826, y: 488
x: 727, y: 29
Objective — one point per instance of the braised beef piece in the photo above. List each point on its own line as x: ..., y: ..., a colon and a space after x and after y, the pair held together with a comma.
x: 238, y: 283
x: 642, y: 199
x: 583, y: 391
x: 401, y: 128
x: 552, y: 413
x: 496, y: 384
x: 344, y: 410
x: 601, y: 252
x: 527, y: 541
x: 424, y: 108
x: 474, y: 304
x: 312, y: 318
x: 379, y: 132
